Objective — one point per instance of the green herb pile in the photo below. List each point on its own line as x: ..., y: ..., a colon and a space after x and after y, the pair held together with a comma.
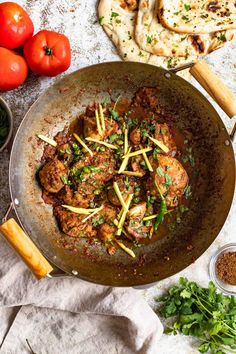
x: 203, y: 313
x: 4, y: 126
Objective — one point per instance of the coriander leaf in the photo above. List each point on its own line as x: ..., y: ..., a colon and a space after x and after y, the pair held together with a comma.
x: 204, y: 347
x: 156, y: 151
x: 222, y: 37
x: 114, y: 137
x: 114, y: 14
x: 186, y: 294
x: 186, y: 309
x: 183, y: 281
x: 173, y: 290
x: 184, y: 319
x: 114, y: 113
x: 65, y: 180
x: 168, y: 180
x: 187, y: 329
x: 160, y: 172
x: 228, y: 340
x: 101, y: 20
x: 188, y: 192
x: 169, y: 309
x: 214, y: 327
x: 187, y: 7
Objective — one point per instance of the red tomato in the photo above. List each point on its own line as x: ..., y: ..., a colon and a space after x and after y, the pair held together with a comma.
x: 16, y: 26
x: 48, y: 53
x: 13, y: 69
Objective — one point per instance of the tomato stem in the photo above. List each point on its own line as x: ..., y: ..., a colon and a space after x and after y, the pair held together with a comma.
x: 48, y: 51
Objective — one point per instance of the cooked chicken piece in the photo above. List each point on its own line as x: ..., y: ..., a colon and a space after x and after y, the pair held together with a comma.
x: 107, y: 230
x: 146, y: 97
x: 138, y: 211
x: 135, y: 136
x: 87, y: 160
x: 109, y: 213
x: 162, y: 133
x: 89, y: 176
x: 96, y: 170
x: 50, y: 175
x: 70, y: 197
x: 72, y: 225
x: 134, y: 225
x: 126, y: 186
x: 171, y: 178
x: 132, y: 5
x: 135, y: 164
x: 91, y: 131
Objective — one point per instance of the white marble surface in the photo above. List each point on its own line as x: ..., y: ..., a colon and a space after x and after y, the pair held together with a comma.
x: 77, y: 19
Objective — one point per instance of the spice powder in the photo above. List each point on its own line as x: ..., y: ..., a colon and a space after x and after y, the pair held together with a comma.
x: 226, y: 267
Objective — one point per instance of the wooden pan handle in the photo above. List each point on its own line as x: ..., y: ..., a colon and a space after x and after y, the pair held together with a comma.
x: 215, y: 87
x: 25, y: 248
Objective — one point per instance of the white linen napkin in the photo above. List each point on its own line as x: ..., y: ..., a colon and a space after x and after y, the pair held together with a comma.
x: 99, y: 312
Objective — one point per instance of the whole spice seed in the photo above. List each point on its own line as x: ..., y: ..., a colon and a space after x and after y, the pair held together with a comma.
x: 226, y: 267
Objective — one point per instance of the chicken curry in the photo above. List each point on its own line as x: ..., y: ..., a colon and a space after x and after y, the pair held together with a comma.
x: 118, y: 174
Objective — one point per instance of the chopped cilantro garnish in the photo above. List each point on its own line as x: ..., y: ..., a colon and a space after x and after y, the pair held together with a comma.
x: 160, y: 172
x: 114, y: 113
x: 168, y: 180
x: 114, y: 14
x: 101, y: 20
x: 187, y: 7
x: 65, y: 180
x: 114, y: 137
x: 222, y: 37
x: 156, y: 151
x: 143, y: 164
x: 188, y: 192
x: 98, y: 221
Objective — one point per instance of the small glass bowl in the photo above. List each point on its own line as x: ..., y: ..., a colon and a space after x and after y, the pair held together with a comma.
x: 6, y: 107
x: 221, y: 285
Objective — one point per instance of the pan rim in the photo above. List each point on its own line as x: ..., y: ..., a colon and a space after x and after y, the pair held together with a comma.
x: 11, y: 167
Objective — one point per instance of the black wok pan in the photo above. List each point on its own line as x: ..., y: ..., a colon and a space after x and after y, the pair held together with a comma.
x: 210, y: 204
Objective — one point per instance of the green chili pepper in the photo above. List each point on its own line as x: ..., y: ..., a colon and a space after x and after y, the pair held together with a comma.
x: 163, y: 210
x: 161, y: 214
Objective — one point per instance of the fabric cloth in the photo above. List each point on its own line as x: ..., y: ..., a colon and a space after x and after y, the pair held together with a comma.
x: 99, y: 319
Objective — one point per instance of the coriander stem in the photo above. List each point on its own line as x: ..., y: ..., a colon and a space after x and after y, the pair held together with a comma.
x: 229, y: 350
x: 234, y: 332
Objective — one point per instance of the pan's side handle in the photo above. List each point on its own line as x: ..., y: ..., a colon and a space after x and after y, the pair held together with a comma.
x: 215, y: 87
x: 25, y: 248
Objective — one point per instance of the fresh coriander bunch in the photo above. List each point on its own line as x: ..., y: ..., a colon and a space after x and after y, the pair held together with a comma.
x: 203, y: 313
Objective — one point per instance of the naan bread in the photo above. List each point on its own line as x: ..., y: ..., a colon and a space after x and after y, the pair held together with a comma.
x: 198, y: 16
x: 152, y: 37
x: 119, y: 23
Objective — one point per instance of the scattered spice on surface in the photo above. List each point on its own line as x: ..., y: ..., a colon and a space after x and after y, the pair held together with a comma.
x: 226, y: 267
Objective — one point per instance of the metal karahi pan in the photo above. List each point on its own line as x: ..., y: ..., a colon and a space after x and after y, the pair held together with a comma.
x: 210, y: 204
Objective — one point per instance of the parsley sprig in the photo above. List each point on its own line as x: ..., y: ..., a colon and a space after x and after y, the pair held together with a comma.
x: 203, y: 313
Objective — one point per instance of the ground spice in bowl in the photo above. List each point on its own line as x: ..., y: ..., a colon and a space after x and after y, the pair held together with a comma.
x: 226, y: 267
